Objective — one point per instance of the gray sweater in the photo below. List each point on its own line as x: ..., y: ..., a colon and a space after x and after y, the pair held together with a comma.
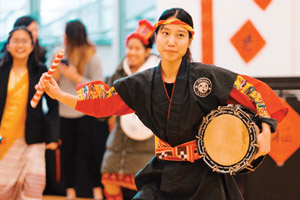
x: 92, y: 72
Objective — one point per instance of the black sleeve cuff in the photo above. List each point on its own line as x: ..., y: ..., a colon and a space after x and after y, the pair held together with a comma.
x: 258, y: 120
x: 253, y: 165
x: 272, y: 122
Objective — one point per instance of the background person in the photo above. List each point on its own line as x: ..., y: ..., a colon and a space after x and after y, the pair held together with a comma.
x: 78, y: 130
x: 25, y: 129
x: 32, y: 25
x: 130, y: 145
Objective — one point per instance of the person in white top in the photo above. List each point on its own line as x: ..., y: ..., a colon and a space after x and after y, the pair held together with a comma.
x: 80, y: 64
x: 130, y: 144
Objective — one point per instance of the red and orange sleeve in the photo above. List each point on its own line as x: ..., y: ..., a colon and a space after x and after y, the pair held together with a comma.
x: 257, y: 96
x: 99, y: 100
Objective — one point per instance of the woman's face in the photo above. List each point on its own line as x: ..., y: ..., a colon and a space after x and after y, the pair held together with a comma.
x: 20, y: 45
x: 34, y: 29
x: 136, y: 53
x: 172, y: 42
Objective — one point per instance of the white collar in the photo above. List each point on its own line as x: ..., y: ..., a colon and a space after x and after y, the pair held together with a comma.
x: 152, y: 61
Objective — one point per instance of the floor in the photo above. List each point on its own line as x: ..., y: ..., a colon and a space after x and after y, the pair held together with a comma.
x: 62, y: 198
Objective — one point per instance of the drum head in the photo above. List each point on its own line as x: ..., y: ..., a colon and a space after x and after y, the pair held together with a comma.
x: 134, y: 128
x: 226, y: 139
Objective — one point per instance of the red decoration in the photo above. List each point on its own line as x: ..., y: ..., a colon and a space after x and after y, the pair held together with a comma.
x: 286, y: 139
x: 247, y: 41
x: 143, y: 32
x: 263, y: 4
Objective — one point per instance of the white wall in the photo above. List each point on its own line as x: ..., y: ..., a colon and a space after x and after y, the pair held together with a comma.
x: 296, y: 35
x: 109, y: 59
x: 278, y: 24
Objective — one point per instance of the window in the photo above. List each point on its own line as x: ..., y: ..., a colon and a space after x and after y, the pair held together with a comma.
x: 9, y: 12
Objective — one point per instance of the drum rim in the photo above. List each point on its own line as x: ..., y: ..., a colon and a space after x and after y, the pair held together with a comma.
x: 142, y: 136
x: 252, y: 148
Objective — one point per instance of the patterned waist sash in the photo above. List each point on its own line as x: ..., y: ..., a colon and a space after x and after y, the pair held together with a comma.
x: 184, y: 152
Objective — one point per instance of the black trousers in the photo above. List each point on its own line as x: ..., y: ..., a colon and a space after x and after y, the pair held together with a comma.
x: 84, y: 135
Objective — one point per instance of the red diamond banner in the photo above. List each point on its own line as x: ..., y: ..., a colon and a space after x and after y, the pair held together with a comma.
x: 286, y: 139
x: 263, y: 4
x: 247, y: 41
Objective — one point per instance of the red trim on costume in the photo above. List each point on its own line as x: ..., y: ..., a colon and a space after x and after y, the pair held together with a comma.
x: 122, y: 180
x: 104, y: 107
x: 104, y: 101
x: 57, y: 165
x: 184, y: 152
x: 170, y: 98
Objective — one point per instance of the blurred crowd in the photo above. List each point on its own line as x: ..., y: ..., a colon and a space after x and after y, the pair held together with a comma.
x: 110, y: 152
x: 54, y: 149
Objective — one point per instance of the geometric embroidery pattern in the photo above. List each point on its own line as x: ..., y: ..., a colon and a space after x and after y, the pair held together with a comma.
x: 183, y: 152
x: 247, y: 41
x: 95, y: 90
x: 243, y: 86
x: 122, y: 180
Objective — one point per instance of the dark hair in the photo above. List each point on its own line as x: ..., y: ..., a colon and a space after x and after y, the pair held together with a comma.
x: 76, y: 33
x: 78, y: 48
x: 24, y: 21
x: 182, y: 15
x: 7, y: 58
x: 151, y: 41
x: 40, y: 52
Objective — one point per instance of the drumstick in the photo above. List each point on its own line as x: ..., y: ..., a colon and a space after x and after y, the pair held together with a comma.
x: 39, y: 92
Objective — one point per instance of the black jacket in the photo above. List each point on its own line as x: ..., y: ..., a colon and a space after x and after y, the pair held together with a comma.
x: 177, y: 122
x: 39, y: 126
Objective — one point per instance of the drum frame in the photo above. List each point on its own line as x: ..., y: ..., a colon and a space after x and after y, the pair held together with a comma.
x: 252, y: 148
x: 132, y: 120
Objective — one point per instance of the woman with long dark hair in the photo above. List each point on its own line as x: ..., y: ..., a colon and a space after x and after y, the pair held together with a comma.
x: 23, y: 130
x: 81, y: 64
x: 172, y: 99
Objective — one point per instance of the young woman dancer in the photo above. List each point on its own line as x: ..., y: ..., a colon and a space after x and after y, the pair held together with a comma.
x: 172, y: 99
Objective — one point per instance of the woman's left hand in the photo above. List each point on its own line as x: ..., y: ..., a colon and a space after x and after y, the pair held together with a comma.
x: 70, y: 72
x: 263, y: 141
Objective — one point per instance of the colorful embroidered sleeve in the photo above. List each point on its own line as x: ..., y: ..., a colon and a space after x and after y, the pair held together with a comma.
x: 243, y: 86
x: 98, y: 99
x: 257, y: 96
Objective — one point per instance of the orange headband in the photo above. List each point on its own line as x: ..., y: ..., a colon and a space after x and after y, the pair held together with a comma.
x: 177, y: 22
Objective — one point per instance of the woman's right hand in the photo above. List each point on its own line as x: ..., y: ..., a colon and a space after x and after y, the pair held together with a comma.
x: 53, y: 90
x: 49, y: 86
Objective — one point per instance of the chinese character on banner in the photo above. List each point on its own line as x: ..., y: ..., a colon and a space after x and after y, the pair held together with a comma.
x: 247, y: 41
x: 286, y: 140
